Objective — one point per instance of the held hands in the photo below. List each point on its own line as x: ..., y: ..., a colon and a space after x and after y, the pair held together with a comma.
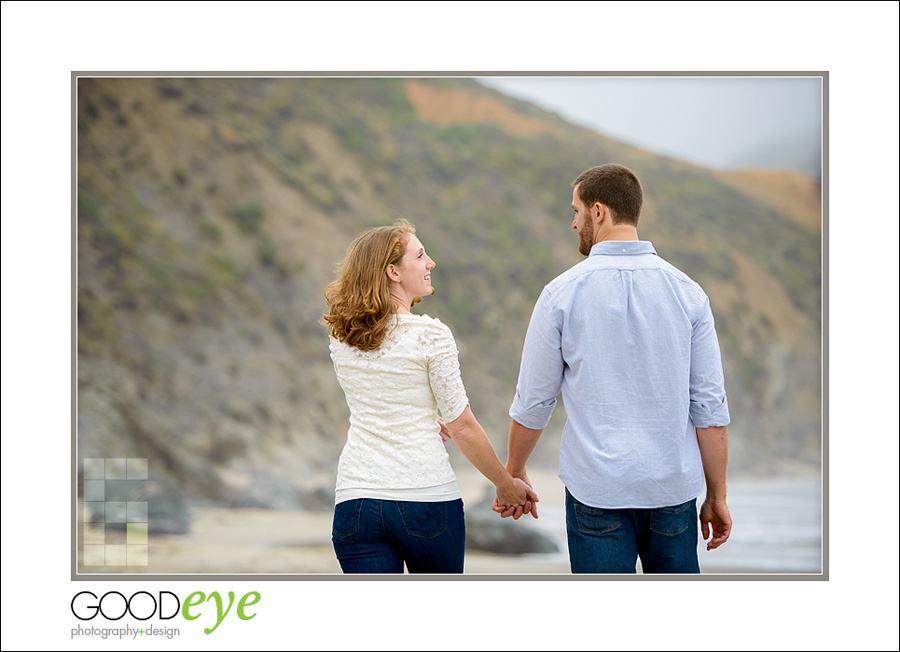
x: 516, y: 505
x: 715, y: 513
x: 515, y: 496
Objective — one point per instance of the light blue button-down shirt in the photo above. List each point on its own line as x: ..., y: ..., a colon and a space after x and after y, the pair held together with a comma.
x: 630, y: 341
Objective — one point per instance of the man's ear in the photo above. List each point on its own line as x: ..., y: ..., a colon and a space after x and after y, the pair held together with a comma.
x: 599, y: 212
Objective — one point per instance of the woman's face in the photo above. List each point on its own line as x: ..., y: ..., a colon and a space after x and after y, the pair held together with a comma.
x: 414, y: 270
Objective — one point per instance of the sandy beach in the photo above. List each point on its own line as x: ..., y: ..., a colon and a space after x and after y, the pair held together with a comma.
x: 275, y: 542
x: 778, y: 530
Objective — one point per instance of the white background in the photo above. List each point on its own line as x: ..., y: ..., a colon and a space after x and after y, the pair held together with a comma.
x: 857, y: 44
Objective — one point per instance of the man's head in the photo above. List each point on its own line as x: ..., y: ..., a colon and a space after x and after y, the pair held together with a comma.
x: 583, y: 222
x: 614, y: 186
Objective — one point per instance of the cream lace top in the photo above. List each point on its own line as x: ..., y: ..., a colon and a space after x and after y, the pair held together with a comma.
x: 394, y: 394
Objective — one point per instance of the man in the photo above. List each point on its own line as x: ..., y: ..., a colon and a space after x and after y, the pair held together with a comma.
x: 630, y: 341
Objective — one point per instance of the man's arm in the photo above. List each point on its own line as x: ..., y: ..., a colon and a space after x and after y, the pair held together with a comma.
x: 713, y: 443
x: 522, y: 441
x: 709, y: 412
x: 540, y: 381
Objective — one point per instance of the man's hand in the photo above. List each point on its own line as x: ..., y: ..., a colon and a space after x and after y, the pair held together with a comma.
x: 517, y: 511
x: 445, y: 431
x: 715, y: 514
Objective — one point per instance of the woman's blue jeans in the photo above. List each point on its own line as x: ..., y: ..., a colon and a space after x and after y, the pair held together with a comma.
x: 611, y: 540
x: 379, y: 536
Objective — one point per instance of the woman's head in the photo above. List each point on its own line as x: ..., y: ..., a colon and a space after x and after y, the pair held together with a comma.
x: 379, y: 270
x: 410, y: 277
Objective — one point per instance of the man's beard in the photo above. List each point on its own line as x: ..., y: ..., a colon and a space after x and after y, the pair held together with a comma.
x: 586, y: 238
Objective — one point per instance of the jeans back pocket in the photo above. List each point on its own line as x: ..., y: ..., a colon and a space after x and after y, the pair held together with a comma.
x: 426, y: 520
x: 673, y: 520
x: 346, y: 518
x: 595, y: 520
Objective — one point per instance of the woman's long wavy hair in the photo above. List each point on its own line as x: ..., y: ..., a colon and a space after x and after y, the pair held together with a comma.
x: 360, y: 303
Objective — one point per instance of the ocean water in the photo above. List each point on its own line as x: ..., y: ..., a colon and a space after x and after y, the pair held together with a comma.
x: 777, y: 529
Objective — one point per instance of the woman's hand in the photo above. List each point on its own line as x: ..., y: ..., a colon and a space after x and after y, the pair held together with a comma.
x: 516, y: 498
x: 518, y: 510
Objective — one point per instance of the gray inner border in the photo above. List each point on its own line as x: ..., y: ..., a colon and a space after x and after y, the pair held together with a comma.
x: 823, y: 576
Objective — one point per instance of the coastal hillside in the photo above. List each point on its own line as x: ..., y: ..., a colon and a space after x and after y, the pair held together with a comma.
x: 211, y: 214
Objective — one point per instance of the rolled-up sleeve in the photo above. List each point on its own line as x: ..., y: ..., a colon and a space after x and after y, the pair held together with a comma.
x: 541, y: 370
x: 709, y: 404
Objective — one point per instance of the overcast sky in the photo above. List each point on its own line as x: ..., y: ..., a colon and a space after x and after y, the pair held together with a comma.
x: 712, y: 121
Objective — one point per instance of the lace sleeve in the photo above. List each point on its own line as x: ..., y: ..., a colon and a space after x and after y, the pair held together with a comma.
x: 443, y: 371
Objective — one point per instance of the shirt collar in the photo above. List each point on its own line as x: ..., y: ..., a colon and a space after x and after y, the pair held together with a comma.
x: 623, y: 248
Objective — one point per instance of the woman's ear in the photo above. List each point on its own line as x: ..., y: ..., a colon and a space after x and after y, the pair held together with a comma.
x: 392, y: 273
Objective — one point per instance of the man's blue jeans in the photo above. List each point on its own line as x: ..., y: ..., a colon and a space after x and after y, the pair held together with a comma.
x: 611, y: 540
x: 378, y: 536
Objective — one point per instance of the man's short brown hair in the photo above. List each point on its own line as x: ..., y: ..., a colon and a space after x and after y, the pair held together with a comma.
x: 614, y: 186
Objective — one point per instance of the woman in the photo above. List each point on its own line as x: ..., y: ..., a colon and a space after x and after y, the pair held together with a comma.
x: 396, y: 497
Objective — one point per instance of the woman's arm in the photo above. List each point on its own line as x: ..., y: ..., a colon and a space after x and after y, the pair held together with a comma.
x: 474, y: 444
x: 464, y: 429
